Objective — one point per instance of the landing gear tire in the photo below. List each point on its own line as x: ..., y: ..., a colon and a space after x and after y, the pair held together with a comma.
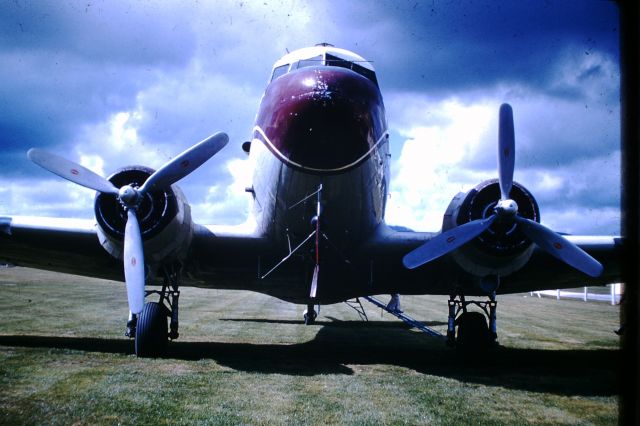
x: 473, y: 333
x: 310, y: 316
x: 152, y: 331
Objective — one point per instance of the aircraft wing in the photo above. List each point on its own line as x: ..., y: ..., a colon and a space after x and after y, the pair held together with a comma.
x: 388, y: 246
x: 61, y: 245
x: 544, y: 272
x: 72, y: 246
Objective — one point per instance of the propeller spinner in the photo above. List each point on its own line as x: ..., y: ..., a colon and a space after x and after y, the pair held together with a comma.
x: 506, y: 209
x: 130, y: 197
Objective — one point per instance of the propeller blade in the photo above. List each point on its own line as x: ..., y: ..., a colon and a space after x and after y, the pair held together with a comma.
x: 446, y: 242
x: 560, y: 247
x: 71, y: 171
x: 134, y: 263
x: 185, y: 163
x: 506, y: 150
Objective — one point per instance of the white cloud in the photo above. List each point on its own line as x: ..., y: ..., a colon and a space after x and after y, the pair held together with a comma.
x: 583, y: 221
x: 52, y: 197
x: 227, y: 204
x: 93, y: 162
x: 107, y: 146
x: 436, y: 146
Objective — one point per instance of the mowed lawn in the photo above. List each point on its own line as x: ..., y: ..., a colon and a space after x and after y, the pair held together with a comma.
x: 245, y: 358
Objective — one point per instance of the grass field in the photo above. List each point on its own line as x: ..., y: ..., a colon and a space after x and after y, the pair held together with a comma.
x: 244, y: 358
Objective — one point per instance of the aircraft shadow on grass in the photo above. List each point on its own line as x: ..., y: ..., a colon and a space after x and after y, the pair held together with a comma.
x: 337, y: 345
x: 333, y: 322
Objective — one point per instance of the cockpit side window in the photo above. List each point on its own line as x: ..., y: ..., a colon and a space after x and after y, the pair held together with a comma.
x: 334, y: 61
x: 365, y: 72
x: 279, y: 71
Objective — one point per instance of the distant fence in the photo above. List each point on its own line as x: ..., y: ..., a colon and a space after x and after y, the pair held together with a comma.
x: 613, y: 295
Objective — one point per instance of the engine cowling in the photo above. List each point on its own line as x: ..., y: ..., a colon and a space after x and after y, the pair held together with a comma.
x: 503, y: 248
x: 164, y: 217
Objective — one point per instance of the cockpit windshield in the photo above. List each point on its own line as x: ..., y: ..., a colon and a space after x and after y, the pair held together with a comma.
x: 325, y: 59
x: 311, y: 62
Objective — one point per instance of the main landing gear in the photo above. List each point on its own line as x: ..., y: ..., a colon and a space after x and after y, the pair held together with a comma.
x: 149, y: 329
x: 473, y: 332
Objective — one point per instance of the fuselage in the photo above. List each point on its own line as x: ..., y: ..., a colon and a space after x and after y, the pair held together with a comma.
x: 320, y: 124
x: 321, y: 121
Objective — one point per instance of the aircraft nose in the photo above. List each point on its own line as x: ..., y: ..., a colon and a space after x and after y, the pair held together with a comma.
x: 321, y: 119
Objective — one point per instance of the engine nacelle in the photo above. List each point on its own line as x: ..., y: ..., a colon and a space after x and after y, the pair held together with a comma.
x: 503, y: 248
x: 164, y: 217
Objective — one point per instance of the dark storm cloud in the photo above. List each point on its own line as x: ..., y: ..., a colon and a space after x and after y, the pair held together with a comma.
x: 553, y: 133
x: 444, y: 47
x: 102, y: 31
x: 66, y: 65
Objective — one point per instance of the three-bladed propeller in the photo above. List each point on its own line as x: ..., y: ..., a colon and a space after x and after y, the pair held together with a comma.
x: 506, y: 209
x: 130, y: 197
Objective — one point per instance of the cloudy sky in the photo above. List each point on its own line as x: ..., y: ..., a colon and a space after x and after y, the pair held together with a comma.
x: 115, y: 83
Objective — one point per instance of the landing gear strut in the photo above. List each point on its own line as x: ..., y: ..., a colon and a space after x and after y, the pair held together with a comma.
x: 132, y: 323
x: 150, y: 327
x: 472, y: 326
x: 310, y: 315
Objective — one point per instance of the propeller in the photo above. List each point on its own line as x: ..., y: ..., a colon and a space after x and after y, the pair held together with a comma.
x: 130, y: 197
x: 446, y: 242
x: 505, y: 209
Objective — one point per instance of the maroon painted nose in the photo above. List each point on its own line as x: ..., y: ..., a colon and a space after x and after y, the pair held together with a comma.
x: 321, y: 119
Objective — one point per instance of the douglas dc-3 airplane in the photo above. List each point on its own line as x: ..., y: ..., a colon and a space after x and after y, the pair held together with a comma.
x: 320, y: 147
